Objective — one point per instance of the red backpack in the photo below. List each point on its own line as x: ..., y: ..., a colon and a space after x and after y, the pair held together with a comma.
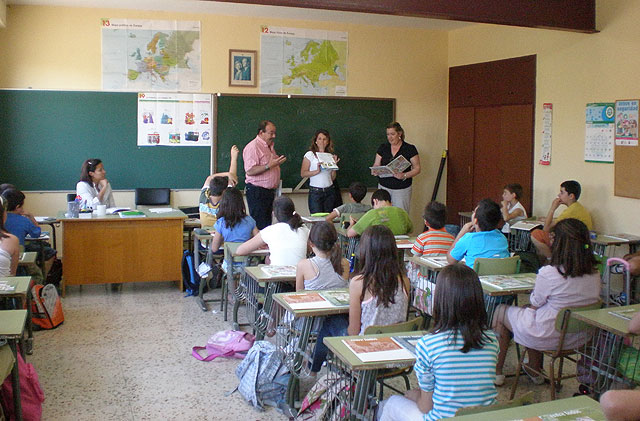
x: 31, y: 395
x: 46, y: 307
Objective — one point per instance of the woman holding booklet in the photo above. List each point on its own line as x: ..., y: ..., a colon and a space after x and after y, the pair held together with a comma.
x: 399, y: 153
x: 319, y: 165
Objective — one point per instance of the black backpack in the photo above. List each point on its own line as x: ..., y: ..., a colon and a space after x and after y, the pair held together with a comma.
x: 190, y: 278
x: 55, y: 273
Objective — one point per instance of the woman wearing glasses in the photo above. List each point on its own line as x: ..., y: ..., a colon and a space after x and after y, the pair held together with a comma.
x: 94, y: 188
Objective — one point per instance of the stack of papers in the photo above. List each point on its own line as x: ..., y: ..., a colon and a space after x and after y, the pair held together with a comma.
x: 161, y: 210
x: 526, y: 225
x: 508, y: 282
x: 436, y: 261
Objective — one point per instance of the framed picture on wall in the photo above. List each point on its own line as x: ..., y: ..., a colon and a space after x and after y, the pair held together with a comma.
x: 243, y: 68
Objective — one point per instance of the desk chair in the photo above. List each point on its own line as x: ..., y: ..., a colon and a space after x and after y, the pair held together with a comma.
x: 409, y: 326
x: 153, y: 196
x: 211, y: 280
x: 526, y: 399
x: 499, y: 266
x: 230, y: 283
x: 564, y: 324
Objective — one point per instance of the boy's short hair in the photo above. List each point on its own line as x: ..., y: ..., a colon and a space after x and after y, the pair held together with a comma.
x: 217, y: 185
x: 572, y: 187
x: 488, y: 214
x: 358, y: 191
x: 514, y: 188
x: 380, y: 195
x: 14, y: 198
x: 435, y: 213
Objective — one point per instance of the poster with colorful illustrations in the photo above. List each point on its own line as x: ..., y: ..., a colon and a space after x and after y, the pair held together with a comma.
x: 627, y: 122
x: 547, y: 128
x: 166, y: 119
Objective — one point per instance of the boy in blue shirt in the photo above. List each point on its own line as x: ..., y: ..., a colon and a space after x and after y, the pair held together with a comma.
x: 480, y: 238
x: 21, y: 223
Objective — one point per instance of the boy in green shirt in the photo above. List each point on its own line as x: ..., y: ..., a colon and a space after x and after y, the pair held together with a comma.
x: 383, y: 213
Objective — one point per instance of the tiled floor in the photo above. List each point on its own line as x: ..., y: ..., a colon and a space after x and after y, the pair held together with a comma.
x: 126, y: 355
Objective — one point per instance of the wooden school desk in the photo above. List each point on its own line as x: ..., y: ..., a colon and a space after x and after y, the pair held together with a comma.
x: 570, y: 408
x: 261, y: 318
x: 601, y: 356
x: 604, y: 243
x: 112, y: 249
x: 52, y: 222
x: 11, y: 328
x: 493, y: 294
x: 294, y: 339
x: 21, y: 291
x: 356, y: 379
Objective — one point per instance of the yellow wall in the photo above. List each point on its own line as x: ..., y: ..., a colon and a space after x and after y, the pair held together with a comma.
x: 59, y: 48
x: 573, y: 70
x: 3, y: 13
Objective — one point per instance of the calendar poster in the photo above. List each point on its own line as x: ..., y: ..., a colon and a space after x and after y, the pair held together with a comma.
x: 547, y: 126
x: 627, y: 122
x: 599, y: 133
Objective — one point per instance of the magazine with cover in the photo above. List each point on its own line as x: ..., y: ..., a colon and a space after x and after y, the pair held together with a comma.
x: 305, y: 300
x: 326, y: 161
x: 338, y: 297
x: 274, y: 271
x: 397, y: 165
x: 369, y: 349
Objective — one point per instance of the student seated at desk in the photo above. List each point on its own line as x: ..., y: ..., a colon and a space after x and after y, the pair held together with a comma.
x: 94, y: 188
x: 378, y: 293
x: 480, y: 238
x: 326, y: 269
x: 569, y: 194
x: 9, y: 245
x: 287, y: 239
x: 233, y: 223
x: 357, y: 192
x: 212, y: 189
x: 22, y: 224
x: 511, y: 208
x: 571, y: 279
x: 383, y: 213
x: 455, y: 362
x: 623, y: 405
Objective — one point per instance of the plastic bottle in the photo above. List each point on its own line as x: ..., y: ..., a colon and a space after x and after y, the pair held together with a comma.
x: 352, y: 262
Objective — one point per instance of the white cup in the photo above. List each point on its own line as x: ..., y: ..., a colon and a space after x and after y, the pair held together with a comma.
x: 102, y: 210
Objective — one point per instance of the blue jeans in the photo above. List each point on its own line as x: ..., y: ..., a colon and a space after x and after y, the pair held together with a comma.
x: 321, y: 200
x: 332, y: 326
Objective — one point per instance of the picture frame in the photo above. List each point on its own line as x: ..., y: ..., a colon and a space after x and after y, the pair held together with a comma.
x: 243, y: 68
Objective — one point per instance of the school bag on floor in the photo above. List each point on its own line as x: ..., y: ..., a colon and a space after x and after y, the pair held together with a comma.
x: 31, y: 395
x: 226, y: 343
x: 263, y: 376
x: 190, y: 278
x: 46, y: 307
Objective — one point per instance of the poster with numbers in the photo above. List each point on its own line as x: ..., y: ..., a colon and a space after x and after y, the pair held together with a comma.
x: 599, y: 132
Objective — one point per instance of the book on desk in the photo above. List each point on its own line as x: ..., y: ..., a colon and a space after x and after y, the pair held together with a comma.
x: 369, y: 349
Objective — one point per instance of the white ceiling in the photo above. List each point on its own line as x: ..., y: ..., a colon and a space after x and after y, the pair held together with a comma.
x: 234, y: 9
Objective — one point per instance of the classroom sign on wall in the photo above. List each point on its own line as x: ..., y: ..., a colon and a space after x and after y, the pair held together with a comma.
x: 627, y: 122
x: 166, y: 119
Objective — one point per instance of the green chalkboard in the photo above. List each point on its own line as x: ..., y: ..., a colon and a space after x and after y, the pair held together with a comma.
x: 45, y: 136
x: 357, y: 127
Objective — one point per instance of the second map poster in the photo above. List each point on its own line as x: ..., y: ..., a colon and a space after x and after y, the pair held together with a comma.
x: 303, y: 61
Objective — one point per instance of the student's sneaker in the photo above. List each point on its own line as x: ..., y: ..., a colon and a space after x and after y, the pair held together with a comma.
x: 537, y: 380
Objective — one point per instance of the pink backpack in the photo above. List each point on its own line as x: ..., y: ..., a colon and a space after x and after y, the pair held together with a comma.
x: 226, y: 343
x: 31, y: 395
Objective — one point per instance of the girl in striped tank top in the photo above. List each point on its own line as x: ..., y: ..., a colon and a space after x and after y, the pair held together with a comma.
x: 455, y: 363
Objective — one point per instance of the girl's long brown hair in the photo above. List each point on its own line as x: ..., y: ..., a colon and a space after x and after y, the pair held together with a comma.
x: 378, y: 264
x: 571, y: 251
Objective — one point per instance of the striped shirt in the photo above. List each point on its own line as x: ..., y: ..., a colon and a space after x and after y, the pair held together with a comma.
x: 456, y: 379
x: 433, y: 243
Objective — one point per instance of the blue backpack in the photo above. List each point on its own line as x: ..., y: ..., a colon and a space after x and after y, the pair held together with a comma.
x: 190, y: 278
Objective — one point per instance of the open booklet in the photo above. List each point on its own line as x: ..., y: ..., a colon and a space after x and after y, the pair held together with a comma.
x: 275, y: 271
x: 397, y: 165
x: 504, y: 282
x: 326, y: 161
x: 526, y: 225
x: 310, y: 300
x: 369, y: 349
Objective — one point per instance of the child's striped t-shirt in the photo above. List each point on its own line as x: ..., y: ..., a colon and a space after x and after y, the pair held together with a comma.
x: 456, y: 379
x: 433, y: 243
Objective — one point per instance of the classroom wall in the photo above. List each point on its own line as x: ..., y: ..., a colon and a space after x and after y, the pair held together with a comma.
x: 573, y: 70
x: 59, y: 48
x: 3, y: 13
